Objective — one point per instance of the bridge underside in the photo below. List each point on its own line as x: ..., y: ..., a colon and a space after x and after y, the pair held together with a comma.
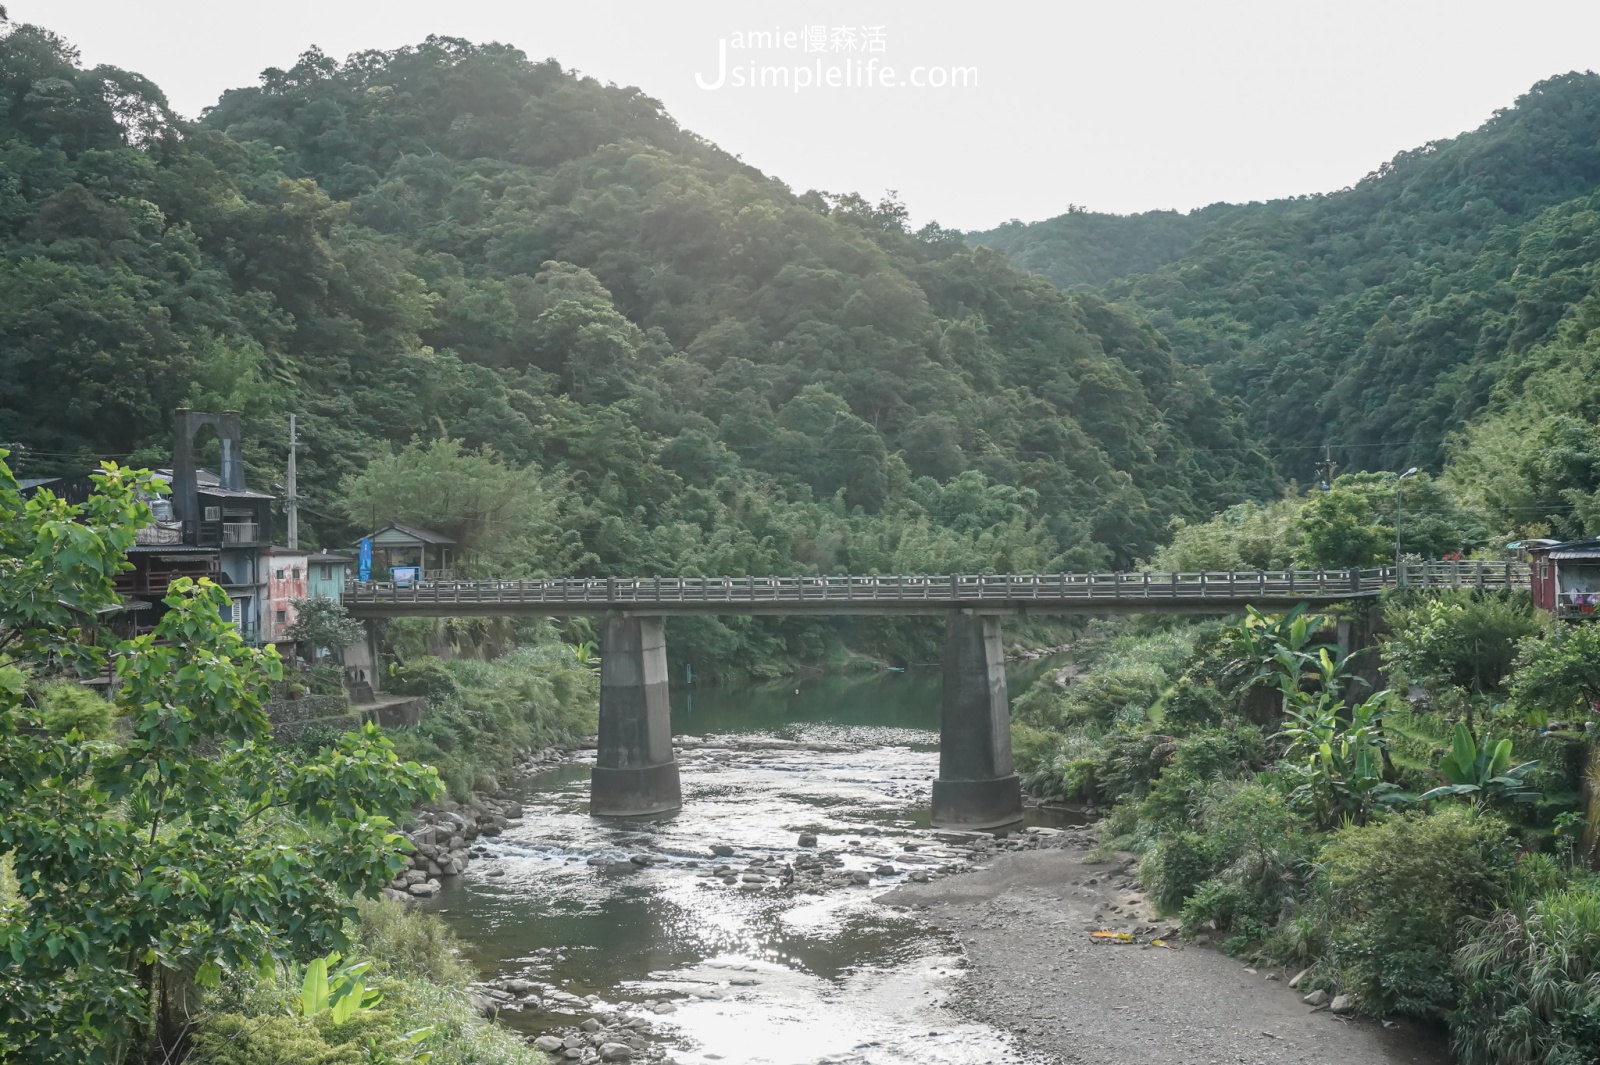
x: 636, y: 774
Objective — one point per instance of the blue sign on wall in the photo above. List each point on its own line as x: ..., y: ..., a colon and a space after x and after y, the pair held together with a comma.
x: 364, y: 567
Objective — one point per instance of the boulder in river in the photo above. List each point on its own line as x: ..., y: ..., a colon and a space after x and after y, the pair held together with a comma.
x: 807, y: 839
x: 722, y: 850
x: 549, y: 1043
x: 615, y: 1052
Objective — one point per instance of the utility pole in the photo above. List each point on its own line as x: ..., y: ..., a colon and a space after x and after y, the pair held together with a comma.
x: 1399, y: 500
x: 291, y: 497
x: 1326, y: 469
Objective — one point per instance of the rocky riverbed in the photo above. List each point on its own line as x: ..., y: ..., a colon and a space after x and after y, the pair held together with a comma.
x: 985, y: 950
x: 1135, y: 996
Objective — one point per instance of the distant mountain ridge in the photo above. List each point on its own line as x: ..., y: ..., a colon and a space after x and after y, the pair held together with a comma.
x: 1378, y: 319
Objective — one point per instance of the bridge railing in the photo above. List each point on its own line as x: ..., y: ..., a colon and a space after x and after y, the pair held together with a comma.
x: 1210, y: 586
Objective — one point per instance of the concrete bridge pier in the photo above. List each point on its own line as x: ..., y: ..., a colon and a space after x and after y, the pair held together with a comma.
x: 635, y: 774
x: 977, y: 786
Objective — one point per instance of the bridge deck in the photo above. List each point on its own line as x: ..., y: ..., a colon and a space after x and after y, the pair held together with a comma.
x: 1028, y: 593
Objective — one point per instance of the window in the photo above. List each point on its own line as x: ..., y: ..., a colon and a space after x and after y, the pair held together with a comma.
x: 283, y: 615
x: 327, y: 571
x: 280, y: 575
x: 297, y: 573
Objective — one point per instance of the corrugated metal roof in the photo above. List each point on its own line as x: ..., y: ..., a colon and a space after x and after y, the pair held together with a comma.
x: 427, y: 536
x: 1577, y: 549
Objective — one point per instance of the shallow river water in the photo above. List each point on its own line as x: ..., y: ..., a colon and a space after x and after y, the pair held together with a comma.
x: 752, y: 974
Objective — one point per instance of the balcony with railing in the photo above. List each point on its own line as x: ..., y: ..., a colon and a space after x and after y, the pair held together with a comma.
x: 240, y: 533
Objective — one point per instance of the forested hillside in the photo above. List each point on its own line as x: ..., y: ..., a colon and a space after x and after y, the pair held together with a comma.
x: 1382, y: 318
x: 712, y: 372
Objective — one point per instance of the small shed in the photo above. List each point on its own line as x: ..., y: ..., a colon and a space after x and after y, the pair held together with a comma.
x: 420, y: 554
x: 328, y: 572
x: 1566, y: 578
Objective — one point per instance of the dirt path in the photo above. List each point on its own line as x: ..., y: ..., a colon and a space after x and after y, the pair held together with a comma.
x: 1025, y: 920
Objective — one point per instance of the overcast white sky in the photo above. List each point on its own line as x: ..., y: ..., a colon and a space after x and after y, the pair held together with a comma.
x: 1114, y: 105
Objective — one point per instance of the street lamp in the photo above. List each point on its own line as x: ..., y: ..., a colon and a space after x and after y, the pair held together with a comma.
x: 1400, y: 575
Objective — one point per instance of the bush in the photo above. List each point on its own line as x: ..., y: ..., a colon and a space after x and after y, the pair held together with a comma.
x: 1197, y: 761
x: 1122, y: 695
x: 1399, y: 892
x: 1529, y: 984
x: 1263, y: 852
x: 409, y: 943
x: 66, y: 705
x: 1190, y: 706
x: 1178, y: 864
x: 483, y: 712
x: 1462, y: 640
x: 233, y: 1039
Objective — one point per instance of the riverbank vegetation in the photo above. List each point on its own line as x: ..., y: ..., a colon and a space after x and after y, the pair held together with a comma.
x: 165, y: 866
x: 1423, y: 850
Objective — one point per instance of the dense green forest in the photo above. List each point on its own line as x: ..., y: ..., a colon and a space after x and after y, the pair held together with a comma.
x: 535, y: 278
x: 1382, y: 319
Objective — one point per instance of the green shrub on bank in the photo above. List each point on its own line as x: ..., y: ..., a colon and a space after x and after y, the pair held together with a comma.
x: 66, y: 705
x: 1399, y: 892
x: 1530, y: 984
x: 481, y: 713
x: 417, y: 965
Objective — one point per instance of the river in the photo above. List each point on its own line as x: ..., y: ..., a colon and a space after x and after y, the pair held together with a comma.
x: 741, y: 973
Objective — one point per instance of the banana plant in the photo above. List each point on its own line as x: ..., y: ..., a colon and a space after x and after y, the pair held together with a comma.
x: 1473, y: 770
x: 341, y: 992
x: 1336, y: 754
x: 588, y: 655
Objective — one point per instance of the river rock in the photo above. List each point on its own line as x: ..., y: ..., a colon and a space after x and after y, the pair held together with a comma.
x: 753, y: 878
x: 616, y: 1052
x: 640, y: 859
x: 549, y: 1043
x: 1296, y: 979
x: 722, y: 850
x: 807, y: 840
x: 730, y: 879
x: 590, y: 1025
x: 425, y: 890
x: 887, y: 870
x: 663, y: 1007
x: 860, y: 876
x: 1319, y: 997
x: 1342, y: 1004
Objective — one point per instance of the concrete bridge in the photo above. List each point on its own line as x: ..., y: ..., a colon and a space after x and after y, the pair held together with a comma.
x: 635, y: 772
